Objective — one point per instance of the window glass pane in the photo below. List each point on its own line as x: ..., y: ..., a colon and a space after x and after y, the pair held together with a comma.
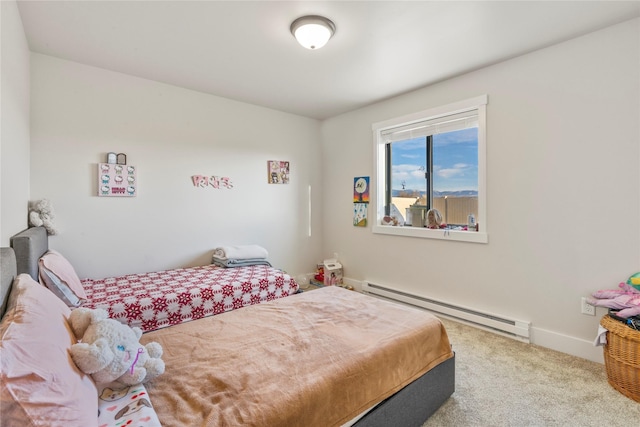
x: 455, y: 175
x: 408, y: 168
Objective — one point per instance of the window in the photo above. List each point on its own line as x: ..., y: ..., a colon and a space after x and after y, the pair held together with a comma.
x: 433, y: 159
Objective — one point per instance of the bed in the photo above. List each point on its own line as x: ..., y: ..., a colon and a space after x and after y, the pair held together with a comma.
x: 159, y: 299
x: 320, y: 358
x: 328, y: 357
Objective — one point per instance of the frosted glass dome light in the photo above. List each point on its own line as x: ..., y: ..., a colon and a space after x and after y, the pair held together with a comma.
x: 312, y: 31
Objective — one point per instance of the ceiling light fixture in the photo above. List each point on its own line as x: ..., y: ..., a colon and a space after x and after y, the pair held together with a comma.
x: 313, y: 31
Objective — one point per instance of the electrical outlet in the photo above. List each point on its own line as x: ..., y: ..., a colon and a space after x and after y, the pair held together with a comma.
x: 587, y: 308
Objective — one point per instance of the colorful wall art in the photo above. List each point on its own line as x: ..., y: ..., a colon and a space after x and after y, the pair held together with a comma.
x: 117, y: 180
x: 218, y: 182
x: 360, y: 214
x: 361, y: 189
x: 360, y: 200
x: 277, y: 172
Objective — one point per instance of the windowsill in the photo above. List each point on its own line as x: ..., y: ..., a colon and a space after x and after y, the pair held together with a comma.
x: 426, y: 233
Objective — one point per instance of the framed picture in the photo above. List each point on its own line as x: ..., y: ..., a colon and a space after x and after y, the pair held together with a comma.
x: 277, y: 172
x: 115, y: 180
x: 361, y: 189
x: 360, y: 214
x: 122, y: 159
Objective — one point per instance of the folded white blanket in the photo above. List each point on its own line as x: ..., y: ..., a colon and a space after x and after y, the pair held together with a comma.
x: 240, y: 252
x: 233, y: 262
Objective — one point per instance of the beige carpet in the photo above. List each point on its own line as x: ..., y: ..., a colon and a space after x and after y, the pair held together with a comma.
x: 503, y: 382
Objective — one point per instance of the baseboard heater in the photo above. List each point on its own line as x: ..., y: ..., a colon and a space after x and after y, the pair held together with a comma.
x: 510, y: 327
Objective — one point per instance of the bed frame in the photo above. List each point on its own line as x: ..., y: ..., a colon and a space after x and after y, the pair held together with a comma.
x: 411, y: 406
x: 7, y: 273
x: 29, y: 245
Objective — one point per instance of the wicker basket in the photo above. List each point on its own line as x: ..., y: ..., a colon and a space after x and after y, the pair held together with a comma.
x: 622, y: 357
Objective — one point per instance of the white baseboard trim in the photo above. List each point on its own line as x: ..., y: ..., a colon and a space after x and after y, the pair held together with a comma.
x: 544, y: 338
x: 567, y: 344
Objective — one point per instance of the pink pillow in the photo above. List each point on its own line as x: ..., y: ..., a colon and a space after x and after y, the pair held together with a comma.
x: 57, y: 274
x: 39, y: 383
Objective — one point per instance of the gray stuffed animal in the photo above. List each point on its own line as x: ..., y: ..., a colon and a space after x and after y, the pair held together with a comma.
x: 41, y: 214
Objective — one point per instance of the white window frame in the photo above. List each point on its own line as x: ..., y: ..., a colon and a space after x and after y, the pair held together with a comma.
x: 377, y: 191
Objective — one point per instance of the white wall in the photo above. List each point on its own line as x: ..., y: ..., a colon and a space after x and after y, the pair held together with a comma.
x: 14, y: 123
x: 79, y: 113
x: 563, y: 133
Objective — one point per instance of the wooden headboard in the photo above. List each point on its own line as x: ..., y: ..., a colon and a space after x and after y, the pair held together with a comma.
x: 8, y: 273
x: 29, y: 245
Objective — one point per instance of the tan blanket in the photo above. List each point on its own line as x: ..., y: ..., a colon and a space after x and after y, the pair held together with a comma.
x: 318, y: 358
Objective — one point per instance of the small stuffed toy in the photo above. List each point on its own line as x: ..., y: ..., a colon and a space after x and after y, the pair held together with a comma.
x: 111, y: 351
x: 41, y: 214
x: 434, y: 219
x: 390, y: 220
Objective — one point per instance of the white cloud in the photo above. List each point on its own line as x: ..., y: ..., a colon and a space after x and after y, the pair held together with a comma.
x: 457, y: 170
x: 405, y: 168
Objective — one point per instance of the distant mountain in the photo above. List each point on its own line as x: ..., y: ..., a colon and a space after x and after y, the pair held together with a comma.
x: 461, y: 193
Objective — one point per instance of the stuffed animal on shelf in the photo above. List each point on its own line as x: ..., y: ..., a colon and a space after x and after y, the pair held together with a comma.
x: 434, y: 219
x: 41, y: 214
x: 390, y: 220
x: 111, y: 351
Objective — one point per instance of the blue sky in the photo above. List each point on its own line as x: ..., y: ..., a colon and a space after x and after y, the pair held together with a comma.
x: 455, y: 162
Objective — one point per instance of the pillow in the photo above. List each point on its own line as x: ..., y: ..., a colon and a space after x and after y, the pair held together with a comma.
x: 39, y: 383
x: 57, y: 274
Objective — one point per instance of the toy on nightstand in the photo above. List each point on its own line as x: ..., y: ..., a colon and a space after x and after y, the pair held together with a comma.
x: 332, y: 272
x: 319, y: 276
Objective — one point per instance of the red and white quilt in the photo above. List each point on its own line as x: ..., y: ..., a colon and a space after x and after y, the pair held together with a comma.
x: 156, y: 300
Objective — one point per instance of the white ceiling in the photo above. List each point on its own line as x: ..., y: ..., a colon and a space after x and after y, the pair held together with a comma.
x: 243, y: 50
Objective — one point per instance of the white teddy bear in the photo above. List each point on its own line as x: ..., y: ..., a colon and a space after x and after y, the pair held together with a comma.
x: 111, y: 351
x: 41, y: 214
